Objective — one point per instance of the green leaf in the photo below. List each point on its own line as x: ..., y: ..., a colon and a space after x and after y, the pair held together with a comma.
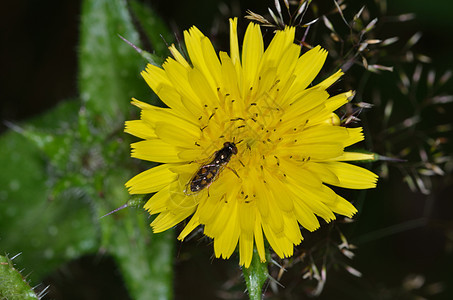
x: 109, y: 78
x: 154, y: 28
x: 109, y: 68
x: 46, y: 231
x: 255, y: 276
x: 12, y: 284
x: 62, y: 171
x: 145, y: 259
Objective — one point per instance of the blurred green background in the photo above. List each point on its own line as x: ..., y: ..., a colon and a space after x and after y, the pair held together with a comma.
x: 404, y: 237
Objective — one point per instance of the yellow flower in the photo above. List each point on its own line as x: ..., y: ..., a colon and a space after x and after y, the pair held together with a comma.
x: 280, y: 144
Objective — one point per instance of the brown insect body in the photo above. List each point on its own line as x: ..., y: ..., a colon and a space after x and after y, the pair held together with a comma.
x: 206, y: 175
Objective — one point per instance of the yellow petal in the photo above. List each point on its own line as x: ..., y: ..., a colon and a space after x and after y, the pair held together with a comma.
x: 279, y: 242
x: 140, y: 129
x: 245, y: 249
x: 273, y: 240
x: 193, y: 223
x: 252, y: 51
x: 314, y: 151
x: 229, y: 77
x: 211, y: 60
x: 351, y: 176
x: 205, y: 92
x: 326, y: 133
x: 158, y: 114
x: 178, y: 76
x: 247, y: 215
x: 304, y: 103
x: 225, y: 210
x: 158, y: 202
x: 307, y: 68
x: 355, y: 135
x: 178, y: 56
x: 339, y: 100
x: 209, y: 209
x: 259, y: 241
x: 174, y: 134
x: 198, y: 46
x: 141, y: 105
x: 226, y: 242
x: 192, y: 154
x: 155, y: 150
x: 305, y: 216
x: 313, y: 199
x: 234, y: 45
x: 299, y: 173
x: 151, y: 180
x: 281, y: 195
x: 170, y: 96
x: 168, y: 219
x: 155, y: 77
x: 329, y: 81
x: 338, y: 204
x: 292, y: 230
x: 321, y: 172
x: 275, y: 217
x: 351, y: 156
x: 264, y: 196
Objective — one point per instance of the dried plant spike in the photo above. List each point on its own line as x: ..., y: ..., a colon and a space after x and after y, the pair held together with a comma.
x: 423, y: 58
x: 340, y: 11
x: 376, y: 68
x: 413, y: 40
x: 373, y: 41
x: 370, y: 25
x: 286, y: 4
x: 279, y: 9
x: 311, y: 22
x: 409, y: 56
x: 335, y: 37
x: 328, y: 23
x: 387, y: 112
x: 421, y: 185
x: 444, y: 99
x: 276, y: 20
x: 410, y: 182
x: 301, y: 9
x: 364, y: 105
x: 445, y: 77
x: 417, y: 74
x: 258, y: 18
x: 406, y: 17
x: 353, y: 271
x: 348, y: 253
x: 358, y: 14
x: 390, y: 41
x: 431, y: 78
x: 362, y: 47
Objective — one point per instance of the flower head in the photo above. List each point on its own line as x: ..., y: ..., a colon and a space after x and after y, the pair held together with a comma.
x: 246, y: 146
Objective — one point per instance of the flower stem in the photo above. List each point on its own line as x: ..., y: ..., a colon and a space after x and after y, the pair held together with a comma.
x: 255, y: 276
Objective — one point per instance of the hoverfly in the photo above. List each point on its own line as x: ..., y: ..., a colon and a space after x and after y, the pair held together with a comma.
x: 208, y: 173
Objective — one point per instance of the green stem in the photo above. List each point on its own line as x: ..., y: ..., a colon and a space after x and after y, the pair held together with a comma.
x: 255, y: 276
